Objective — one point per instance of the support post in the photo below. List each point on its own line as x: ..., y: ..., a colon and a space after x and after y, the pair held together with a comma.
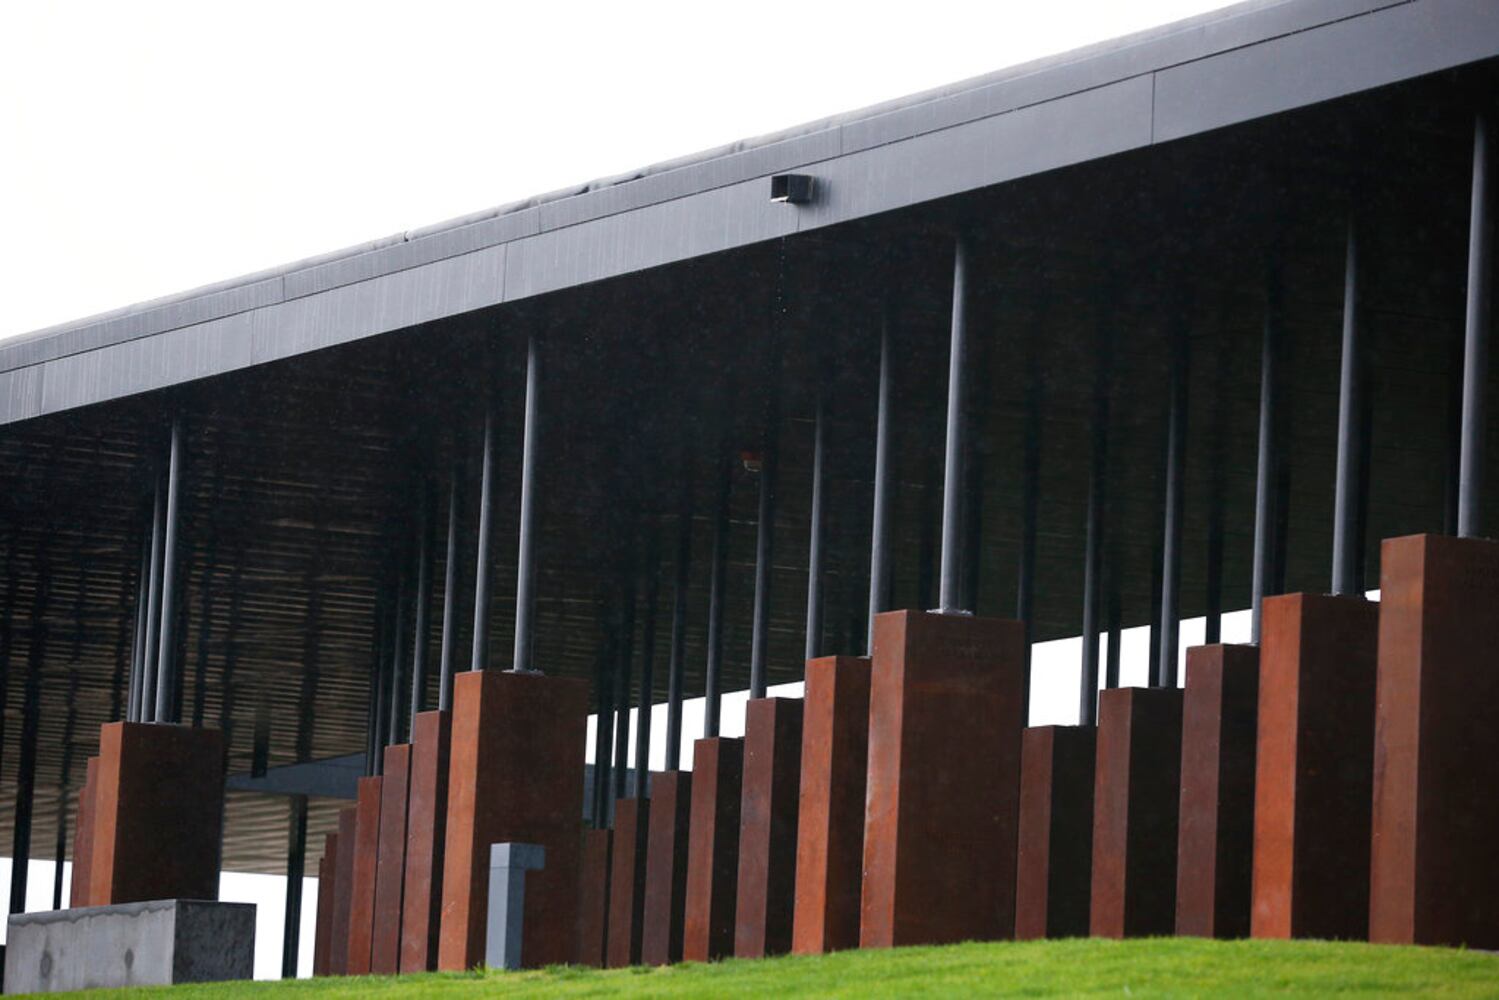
x: 957, y: 419
x: 814, y: 547
x: 676, y: 665
x: 765, y: 541
x: 1093, y: 547
x: 153, y: 604
x: 712, y: 693
x: 450, y: 594
x: 525, y: 574
x: 421, y: 626
x: 1347, y: 498
x: 647, y: 669
x: 296, y: 860
x: 480, y: 658
x: 879, y: 544
x: 1476, y: 340
x: 166, y: 656
x: 1269, y: 456
x: 1171, y: 557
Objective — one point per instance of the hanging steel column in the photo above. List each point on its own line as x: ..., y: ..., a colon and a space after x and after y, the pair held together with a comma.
x: 166, y: 655
x: 1351, y: 430
x: 31, y: 711
x: 394, y: 715
x: 1475, y: 341
x: 647, y: 668
x: 765, y: 540
x: 138, y: 645
x: 421, y: 626
x: 450, y: 594
x: 713, y: 672
x: 1093, y: 548
x: 296, y: 860
x: 814, y: 547
x: 879, y: 542
x: 480, y: 658
x: 1269, y: 457
x: 949, y: 579
x: 623, y: 662
x: 677, y: 665
x: 1176, y: 463
x: 1030, y: 487
x: 525, y: 573
x: 153, y: 605
x: 603, y: 730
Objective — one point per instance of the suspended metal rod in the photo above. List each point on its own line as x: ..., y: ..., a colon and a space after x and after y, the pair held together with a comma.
x: 296, y: 860
x: 814, y: 547
x: 480, y: 657
x: 166, y: 656
x: 677, y: 664
x: 712, y: 680
x: 1176, y: 463
x: 1269, y: 456
x: 879, y: 543
x: 647, y: 668
x: 450, y: 594
x: 421, y: 626
x: 1476, y: 339
x: 138, y: 646
x: 393, y: 681
x: 765, y: 543
x: 1030, y: 486
x: 1346, y: 497
x: 603, y: 730
x: 31, y: 711
x: 1093, y: 546
x: 624, y: 661
x: 153, y: 605
x: 949, y: 580
x: 525, y: 574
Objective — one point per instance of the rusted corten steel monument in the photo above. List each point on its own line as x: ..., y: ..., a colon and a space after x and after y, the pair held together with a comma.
x: 1190, y: 321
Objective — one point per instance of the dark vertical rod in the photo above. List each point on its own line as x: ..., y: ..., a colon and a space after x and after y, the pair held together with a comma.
x: 1093, y: 553
x: 677, y: 664
x: 296, y: 861
x: 624, y: 661
x: 421, y: 626
x: 153, y: 607
x: 713, y: 674
x: 879, y: 542
x: 393, y: 681
x: 1111, y: 657
x: 1171, y: 557
x: 525, y: 574
x: 1476, y: 340
x: 603, y: 730
x: 138, y: 646
x: 450, y: 594
x: 1346, y: 500
x: 1030, y: 486
x: 765, y: 546
x: 480, y: 657
x: 647, y: 669
x: 166, y: 657
x: 814, y: 547
x: 1268, y: 458
x: 31, y: 711
x: 949, y: 579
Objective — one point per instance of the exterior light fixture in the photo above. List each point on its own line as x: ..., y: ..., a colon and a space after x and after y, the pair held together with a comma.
x: 794, y: 189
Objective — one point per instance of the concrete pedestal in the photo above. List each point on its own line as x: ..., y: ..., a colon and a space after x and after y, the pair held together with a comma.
x: 326, y: 893
x: 426, y: 827
x: 1314, y: 768
x: 362, y: 881
x: 515, y: 776
x: 1054, y: 872
x: 592, y: 936
x: 152, y: 943
x: 666, y: 868
x: 830, y: 820
x: 1135, y: 801
x: 1436, y: 752
x: 945, y: 716
x: 766, y: 885
x: 713, y: 849
x: 157, y: 814
x: 390, y: 861
x: 627, y: 881
x: 1215, y: 844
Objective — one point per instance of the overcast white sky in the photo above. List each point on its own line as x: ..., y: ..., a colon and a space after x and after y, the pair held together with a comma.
x: 150, y: 147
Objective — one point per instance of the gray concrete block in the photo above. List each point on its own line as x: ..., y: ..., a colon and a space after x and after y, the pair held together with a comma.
x: 155, y: 943
x: 508, y: 864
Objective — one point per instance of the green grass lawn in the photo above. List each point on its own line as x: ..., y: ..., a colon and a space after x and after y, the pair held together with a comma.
x: 1162, y: 967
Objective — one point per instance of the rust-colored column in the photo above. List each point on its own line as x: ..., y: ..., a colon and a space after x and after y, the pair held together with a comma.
x: 1314, y: 767
x: 593, y: 898
x: 1136, y: 795
x: 1054, y: 873
x: 627, y: 881
x: 1436, y: 750
x: 765, y: 894
x: 426, y: 823
x: 326, y: 893
x: 1215, y: 842
x: 390, y: 861
x: 362, y: 879
x: 830, y: 820
x: 666, y: 868
x: 83, y: 836
x: 515, y: 775
x: 159, y: 807
x: 945, y: 715
x: 713, y: 849
x: 343, y: 884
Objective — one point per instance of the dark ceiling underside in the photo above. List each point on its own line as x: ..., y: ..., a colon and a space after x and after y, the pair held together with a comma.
x: 304, y: 475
